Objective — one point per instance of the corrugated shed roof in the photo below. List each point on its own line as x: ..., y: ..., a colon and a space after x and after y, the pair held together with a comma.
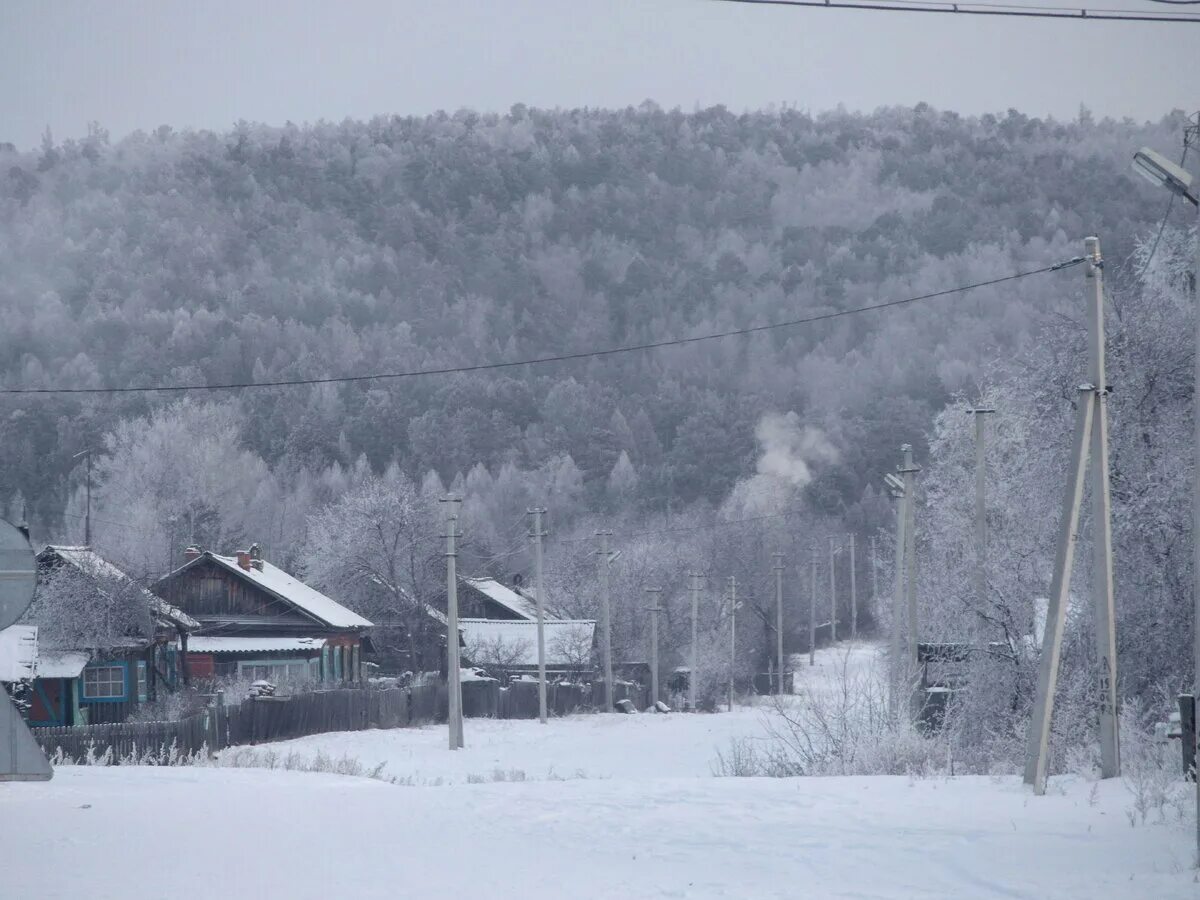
x: 505, y: 596
x: 201, y: 644
x: 278, y: 582
x: 18, y: 652
x: 92, y: 564
x: 560, y: 634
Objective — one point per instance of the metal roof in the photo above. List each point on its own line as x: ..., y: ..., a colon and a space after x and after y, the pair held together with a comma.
x: 201, y: 644
x: 520, y: 637
x: 516, y: 603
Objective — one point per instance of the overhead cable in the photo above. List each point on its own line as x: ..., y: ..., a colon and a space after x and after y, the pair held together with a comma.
x: 542, y: 360
x: 986, y: 9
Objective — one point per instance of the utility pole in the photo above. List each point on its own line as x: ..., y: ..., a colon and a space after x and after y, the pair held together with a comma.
x: 853, y: 593
x: 1191, y: 136
x: 693, y: 674
x: 979, y: 412
x: 733, y: 606
x: 453, y: 666
x: 874, y: 582
x: 606, y: 560
x: 1091, y: 432
x: 654, y: 609
x: 537, y: 534
x: 832, y: 593
x: 779, y: 670
x: 909, y: 471
x: 812, y: 607
x: 87, y: 490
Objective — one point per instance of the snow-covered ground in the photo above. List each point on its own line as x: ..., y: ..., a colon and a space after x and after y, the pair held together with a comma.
x: 647, y: 821
x: 589, y: 746
x: 242, y: 833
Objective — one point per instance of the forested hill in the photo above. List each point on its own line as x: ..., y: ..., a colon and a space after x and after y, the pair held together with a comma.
x: 408, y: 243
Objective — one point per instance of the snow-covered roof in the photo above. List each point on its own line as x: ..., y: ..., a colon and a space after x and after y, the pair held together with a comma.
x: 275, y: 581
x: 61, y: 663
x: 520, y: 635
x: 201, y: 644
x: 505, y: 596
x: 18, y: 652
x: 92, y: 564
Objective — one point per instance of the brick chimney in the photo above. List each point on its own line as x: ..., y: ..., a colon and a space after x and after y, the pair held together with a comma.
x: 192, y: 552
x: 243, y: 559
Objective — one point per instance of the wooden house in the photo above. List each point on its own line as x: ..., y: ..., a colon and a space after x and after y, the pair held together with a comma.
x: 259, y: 622
x: 82, y: 678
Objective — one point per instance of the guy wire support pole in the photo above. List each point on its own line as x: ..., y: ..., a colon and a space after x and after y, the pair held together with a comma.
x: 733, y: 605
x: 654, y: 609
x: 453, y: 666
x: 1091, y: 430
x: 832, y: 594
x: 853, y: 593
x: 606, y: 619
x: 692, y: 673
x: 779, y: 668
x: 979, y: 412
x: 812, y: 607
x: 537, y: 534
x: 909, y: 471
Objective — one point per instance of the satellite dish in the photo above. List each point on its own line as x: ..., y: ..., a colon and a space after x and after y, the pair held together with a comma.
x: 18, y: 573
x: 21, y: 759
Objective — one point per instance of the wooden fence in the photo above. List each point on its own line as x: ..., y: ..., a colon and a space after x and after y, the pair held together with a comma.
x: 259, y: 720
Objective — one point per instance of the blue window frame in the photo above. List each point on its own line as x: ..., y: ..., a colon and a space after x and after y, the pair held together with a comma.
x: 105, y: 683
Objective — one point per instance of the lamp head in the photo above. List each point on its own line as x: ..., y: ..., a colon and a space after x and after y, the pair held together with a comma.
x: 1157, y: 169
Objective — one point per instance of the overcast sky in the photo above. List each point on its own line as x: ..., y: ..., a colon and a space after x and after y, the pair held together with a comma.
x: 132, y: 65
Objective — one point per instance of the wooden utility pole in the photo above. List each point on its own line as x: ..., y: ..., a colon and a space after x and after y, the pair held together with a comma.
x: 909, y: 472
x: 537, y: 534
x: 693, y: 674
x: 606, y: 560
x: 733, y: 607
x: 453, y: 664
x: 832, y: 592
x: 779, y: 667
x: 1091, y: 432
x: 654, y: 609
x: 812, y: 607
x: 853, y: 593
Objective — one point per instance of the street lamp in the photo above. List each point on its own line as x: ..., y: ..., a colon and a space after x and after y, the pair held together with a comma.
x: 1157, y: 169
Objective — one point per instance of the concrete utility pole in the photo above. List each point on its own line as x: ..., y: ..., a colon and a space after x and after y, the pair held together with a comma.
x: 779, y: 668
x: 537, y: 534
x: 693, y: 671
x: 832, y: 593
x: 812, y: 607
x: 654, y: 609
x: 896, y: 487
x: 853, y: 593
x: 909, y: 471
x: 1192, y: 135
x: 453, y: 664
x: 1091, y: 431
x: 979, y: 412
x: 733, y: 606
x: 606, y: 560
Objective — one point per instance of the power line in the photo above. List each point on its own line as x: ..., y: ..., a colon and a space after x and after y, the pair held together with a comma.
x: 983, y: 9
x: 686, y: 529
x: 540, y: 360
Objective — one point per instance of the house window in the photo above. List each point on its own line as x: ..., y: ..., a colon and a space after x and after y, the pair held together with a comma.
x: 143, y: 684
x: 104, y: 683
x: 276, y: 671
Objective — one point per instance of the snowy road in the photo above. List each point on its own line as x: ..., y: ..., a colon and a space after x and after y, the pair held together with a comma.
x: 135, y: 833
